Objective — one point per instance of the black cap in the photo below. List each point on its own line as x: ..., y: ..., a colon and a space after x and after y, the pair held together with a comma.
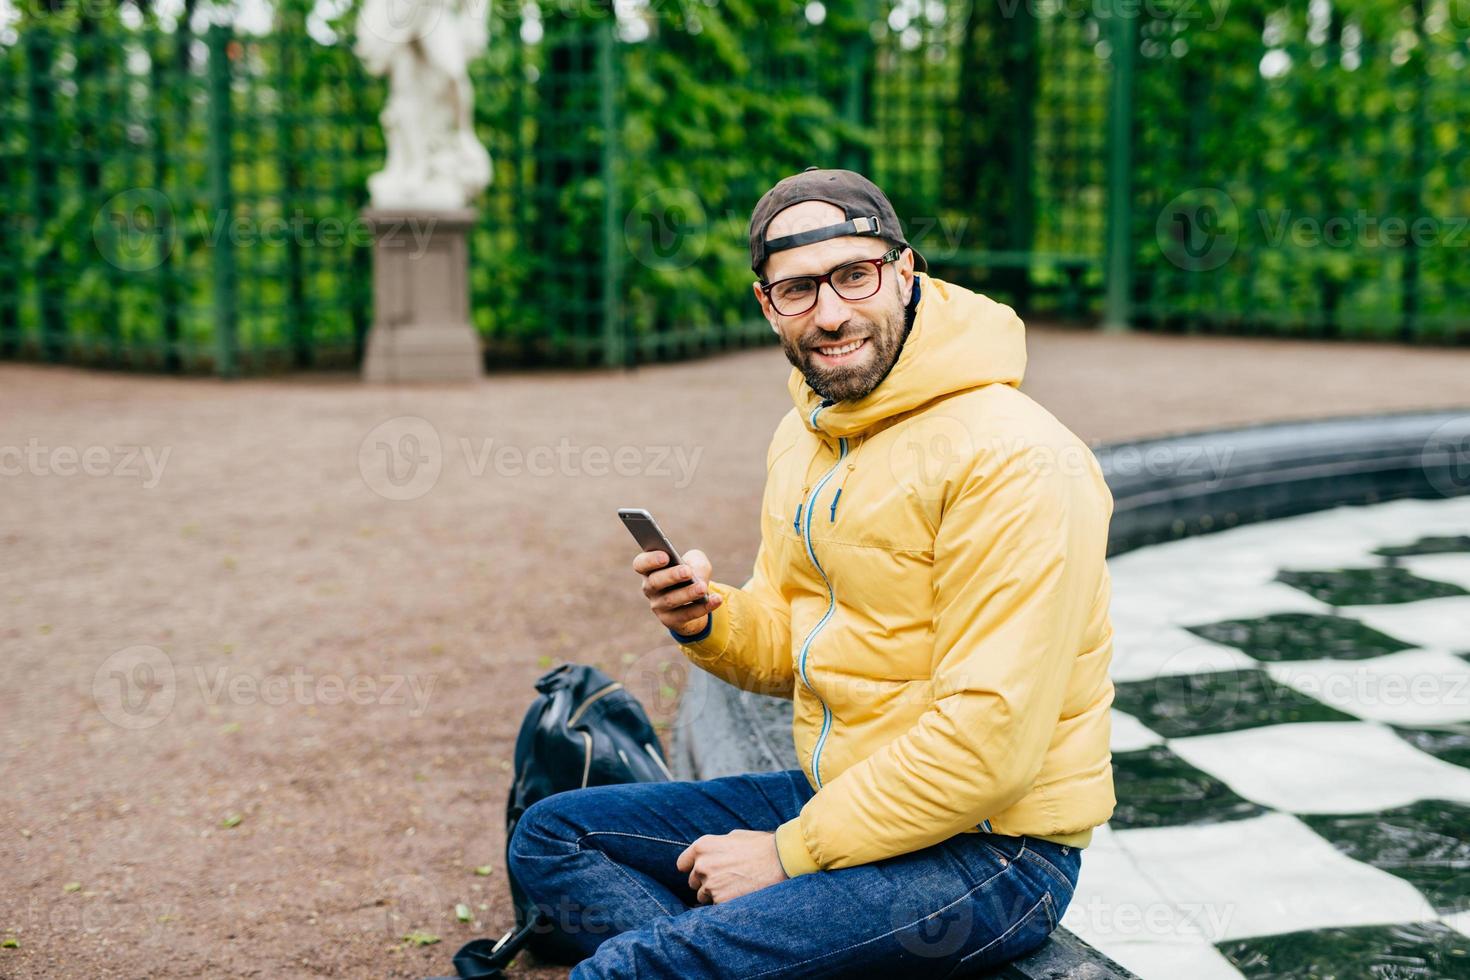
x: 865, y: 206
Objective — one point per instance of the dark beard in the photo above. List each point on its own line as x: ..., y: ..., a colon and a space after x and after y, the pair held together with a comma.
x: 850, y: 384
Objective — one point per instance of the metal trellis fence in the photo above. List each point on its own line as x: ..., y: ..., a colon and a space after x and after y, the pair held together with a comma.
x: 186, y: 197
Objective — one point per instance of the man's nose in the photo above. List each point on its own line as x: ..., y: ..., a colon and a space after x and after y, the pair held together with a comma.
x: 832, y: 310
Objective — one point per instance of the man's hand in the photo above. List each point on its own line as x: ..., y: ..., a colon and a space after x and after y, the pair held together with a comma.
x: 681, y: 610
x: 726, y: 866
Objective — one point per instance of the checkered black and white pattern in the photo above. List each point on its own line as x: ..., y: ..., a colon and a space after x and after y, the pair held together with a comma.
x: 1291, y: 742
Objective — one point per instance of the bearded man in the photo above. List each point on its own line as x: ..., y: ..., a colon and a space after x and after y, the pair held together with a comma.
x: 931, y: 592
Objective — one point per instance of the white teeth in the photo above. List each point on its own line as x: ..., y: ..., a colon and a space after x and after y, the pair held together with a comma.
x: 844, y: 349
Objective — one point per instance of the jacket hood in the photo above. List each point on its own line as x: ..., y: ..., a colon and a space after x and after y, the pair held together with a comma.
x: 959, y: 340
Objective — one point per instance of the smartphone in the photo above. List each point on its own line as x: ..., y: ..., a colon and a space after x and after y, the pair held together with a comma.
x: 650, y: 537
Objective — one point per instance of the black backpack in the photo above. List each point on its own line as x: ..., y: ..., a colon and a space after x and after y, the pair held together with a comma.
x: 582, y: 730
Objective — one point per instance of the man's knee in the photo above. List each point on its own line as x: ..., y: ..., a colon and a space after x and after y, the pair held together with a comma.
x: 542, y: 831
x: 666, y: 946
x: 543, y: 834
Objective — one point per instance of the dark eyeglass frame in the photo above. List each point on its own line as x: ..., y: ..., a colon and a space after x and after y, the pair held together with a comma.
x: 891, y: 255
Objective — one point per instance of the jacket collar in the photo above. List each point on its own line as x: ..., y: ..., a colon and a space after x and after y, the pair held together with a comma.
x: 956, y: 340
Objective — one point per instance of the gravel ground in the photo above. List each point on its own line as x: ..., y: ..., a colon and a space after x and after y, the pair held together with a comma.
x: 258, y: 714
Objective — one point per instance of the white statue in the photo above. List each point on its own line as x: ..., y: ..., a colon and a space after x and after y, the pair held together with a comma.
x: 424, y: 47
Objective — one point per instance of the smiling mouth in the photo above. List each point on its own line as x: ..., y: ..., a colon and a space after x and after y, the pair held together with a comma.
x: 841, y: 351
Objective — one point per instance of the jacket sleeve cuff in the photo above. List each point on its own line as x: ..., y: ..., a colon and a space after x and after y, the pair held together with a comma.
x: 792, y: 850
x: 709, y: 625
x: 713, y: 641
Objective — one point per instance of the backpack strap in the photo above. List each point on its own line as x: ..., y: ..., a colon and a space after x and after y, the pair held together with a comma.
x: 481, y: 959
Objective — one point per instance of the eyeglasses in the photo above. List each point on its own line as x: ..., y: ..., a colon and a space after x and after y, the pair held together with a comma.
x: 852, y: 281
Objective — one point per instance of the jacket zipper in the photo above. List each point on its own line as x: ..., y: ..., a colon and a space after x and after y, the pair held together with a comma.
x: 805, y: 530
x: 796, y: 521
x: 832, y: 517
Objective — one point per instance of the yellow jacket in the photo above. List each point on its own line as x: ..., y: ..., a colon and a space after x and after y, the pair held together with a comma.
x: 931, y: 590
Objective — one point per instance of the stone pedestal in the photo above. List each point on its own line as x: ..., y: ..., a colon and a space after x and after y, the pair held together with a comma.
x: 421, y: 299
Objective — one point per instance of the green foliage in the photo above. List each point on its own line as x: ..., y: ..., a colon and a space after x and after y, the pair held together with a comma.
x: 1322, y: 128
x: 181, y: 201
x: 706, y: 131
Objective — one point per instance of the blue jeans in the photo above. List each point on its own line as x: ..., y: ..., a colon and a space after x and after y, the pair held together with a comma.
x: 599, y: 863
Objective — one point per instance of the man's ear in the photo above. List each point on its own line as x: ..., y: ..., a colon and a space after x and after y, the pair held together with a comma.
x: 905, y: 267
x: 764, y: 301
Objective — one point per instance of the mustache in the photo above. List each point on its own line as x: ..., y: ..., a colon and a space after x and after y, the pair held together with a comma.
x: 828, y: 340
